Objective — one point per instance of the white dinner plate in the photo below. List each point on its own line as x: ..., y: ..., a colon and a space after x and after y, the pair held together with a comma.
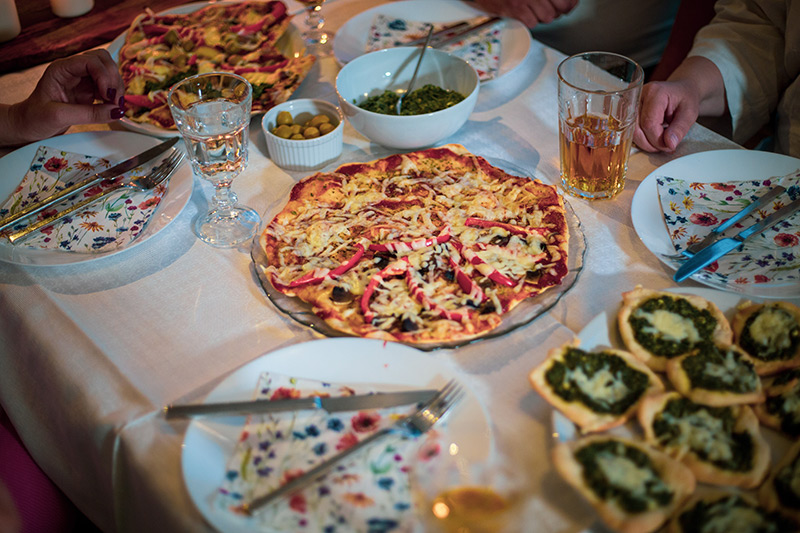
x: 705, y: 167
x: 113, y: 145
x: 210, y: 442
x: 351, y: 39
x: 290, y: 43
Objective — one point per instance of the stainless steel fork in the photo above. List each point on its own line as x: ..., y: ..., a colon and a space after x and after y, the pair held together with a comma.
x: 149, y: 181
x: 413, y: 425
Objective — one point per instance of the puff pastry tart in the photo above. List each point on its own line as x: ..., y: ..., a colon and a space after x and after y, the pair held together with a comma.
x: 782, y: 490
x: 633, y: 486
x: 781, y: 410
x: 716, y: 375
x: 596, y: 390
x: 770, y: 334
x: 721, y: 445
x: 729, y: 512
x: 658, y: 326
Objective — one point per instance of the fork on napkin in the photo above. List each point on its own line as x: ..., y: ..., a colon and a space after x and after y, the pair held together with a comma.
x: 369, y: 492
x: 691, y: 209
x: 109, y: 224
x: 480, y: 49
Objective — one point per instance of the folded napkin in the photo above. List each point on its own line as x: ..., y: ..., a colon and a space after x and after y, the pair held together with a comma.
x: 109, y: 224
x: 480, y: 49
x: 692, y: 209
x: 366, y: 492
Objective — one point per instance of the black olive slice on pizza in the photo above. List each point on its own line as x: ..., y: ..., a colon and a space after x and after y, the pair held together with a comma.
x: 770, y: 334
x: 729, y: 512
x: 597, y: 390
x: 781, y: 491
x: 721, y: 445
x: 657, y: 326
x: 716, y: 375
x: 634, y: 487
x: 781, y: 409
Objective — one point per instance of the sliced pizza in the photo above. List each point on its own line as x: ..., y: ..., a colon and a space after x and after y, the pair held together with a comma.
x: 723, y: 512
x: 657, y: 326
x: 770, y: 334
x: 781, y: 409
x: 721, y: 445
x: 634, y: 487
x: 781, y: 491
x: 597, y: 390
x: 716, y: 375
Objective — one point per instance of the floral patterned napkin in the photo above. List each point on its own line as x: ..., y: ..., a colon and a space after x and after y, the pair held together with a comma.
x: 107, y: 225
x: 480, y: 49
x: 692, y: 209
x: 368, y: 492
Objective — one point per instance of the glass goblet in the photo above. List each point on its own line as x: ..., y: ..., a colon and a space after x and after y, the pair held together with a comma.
x: 314, y: 21
x: 212, y: 113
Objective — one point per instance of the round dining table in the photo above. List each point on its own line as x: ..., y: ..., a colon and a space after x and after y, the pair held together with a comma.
x: 90, y: 352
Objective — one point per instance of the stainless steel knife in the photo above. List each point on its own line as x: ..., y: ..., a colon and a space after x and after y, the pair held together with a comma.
x: 330, y: 404
x: 113, y: 172
x: 465, y: 32
x: 708, y: 255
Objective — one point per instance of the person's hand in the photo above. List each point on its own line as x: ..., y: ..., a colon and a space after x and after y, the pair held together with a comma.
x: 529, y: 12
x: 667, y: 112
x: 66, y: 96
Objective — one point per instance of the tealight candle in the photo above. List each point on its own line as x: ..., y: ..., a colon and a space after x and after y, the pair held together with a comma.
x: 71, y: 8
x: 9, y: 20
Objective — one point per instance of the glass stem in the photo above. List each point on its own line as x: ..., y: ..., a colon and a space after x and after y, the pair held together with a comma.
x: 224, y: 198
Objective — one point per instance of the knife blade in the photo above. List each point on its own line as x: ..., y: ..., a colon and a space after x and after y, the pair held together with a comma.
x: 113, y: 172
x: 463, y: 33
x: 708, y: 255
x: 716, y: 232
x: 437, y: 34
x: 330, y: 404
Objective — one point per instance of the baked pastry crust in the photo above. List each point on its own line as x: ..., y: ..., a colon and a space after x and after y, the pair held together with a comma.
x: 677, y: 477
x: 733, y: 511
x: 758, y: 326
x: 716, y: 383
x: 677, y: 325
x: 706, y: 430
x: 587, y: 418
x: 780, y: 410
x: 789, y: 469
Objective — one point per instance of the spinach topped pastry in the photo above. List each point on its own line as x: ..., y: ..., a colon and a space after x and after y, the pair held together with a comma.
x: 781, y: 410
x: 716, y: 375
x: 770, y: 334
x: 657, y: 326
x: 634, y: 487
x: 596, y: 390
x: 729, y: 512
x: 721, y: 445
x: 782, y: 489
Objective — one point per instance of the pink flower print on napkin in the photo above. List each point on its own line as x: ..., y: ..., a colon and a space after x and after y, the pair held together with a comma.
x: 106, y: 225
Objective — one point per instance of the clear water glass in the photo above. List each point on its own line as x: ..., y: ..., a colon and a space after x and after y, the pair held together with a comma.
x: 212, y: 113
x: 315, y: 21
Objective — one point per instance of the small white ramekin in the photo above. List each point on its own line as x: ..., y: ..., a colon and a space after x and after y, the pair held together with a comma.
x: 306, y: 154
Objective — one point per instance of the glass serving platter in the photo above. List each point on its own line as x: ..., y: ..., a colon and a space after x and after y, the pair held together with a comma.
x: 523, y: 314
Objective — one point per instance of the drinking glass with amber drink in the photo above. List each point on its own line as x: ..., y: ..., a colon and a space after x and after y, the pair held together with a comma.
x: 454, y: 493
x: 598, y: 106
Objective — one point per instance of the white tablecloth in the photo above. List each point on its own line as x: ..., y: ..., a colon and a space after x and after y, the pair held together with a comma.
x: 90, y: 352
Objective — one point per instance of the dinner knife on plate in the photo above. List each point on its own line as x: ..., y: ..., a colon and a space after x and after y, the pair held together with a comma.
x: 113, y: 172
x: 465, y: 32
x: 330, y: 404
x: 708, y: 255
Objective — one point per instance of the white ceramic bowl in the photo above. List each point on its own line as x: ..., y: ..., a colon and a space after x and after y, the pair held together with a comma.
x: 306, y: 154
x: 371, y: 74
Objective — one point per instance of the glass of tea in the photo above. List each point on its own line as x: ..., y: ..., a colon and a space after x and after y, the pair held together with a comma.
x: 456, y: 493
x: 212, y: 113
x: 598, y: 105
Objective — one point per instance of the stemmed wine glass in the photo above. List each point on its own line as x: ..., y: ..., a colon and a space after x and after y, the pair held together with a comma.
x: 212, y: 112
x: 314, y: 22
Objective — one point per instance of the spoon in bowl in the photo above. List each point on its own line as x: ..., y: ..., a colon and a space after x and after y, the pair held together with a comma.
x: 414, y: 77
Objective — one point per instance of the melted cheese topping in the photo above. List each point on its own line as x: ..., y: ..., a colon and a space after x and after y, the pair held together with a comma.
x: 771, y: 328
x: 671, y: 326
x: 701, y: 431
x: 602, y: 386
x: 733, y: 371
x: 623, y: 473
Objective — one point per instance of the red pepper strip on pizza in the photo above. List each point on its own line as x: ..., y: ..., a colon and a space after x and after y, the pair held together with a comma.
x: 483, y: 267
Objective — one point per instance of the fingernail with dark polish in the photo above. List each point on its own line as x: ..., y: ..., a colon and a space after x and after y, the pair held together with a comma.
x: 122, y: 103
x: 111, y: 94
x: 117, y: 113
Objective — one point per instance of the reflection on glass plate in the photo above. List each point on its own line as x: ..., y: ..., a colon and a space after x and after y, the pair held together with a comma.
x: 210, y: 442
x: 524, y: 313
x: 351, y: 39
x: 289, y: 44
x: 705, y: 167
x: 113, y: 145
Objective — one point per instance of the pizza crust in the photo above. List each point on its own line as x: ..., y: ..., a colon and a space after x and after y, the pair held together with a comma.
x: 677, y: 476
x: 631, y: 300
x: 679, y: 379
x: 582, y: 415
x: 764, y: 367
x: 705, y: 471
